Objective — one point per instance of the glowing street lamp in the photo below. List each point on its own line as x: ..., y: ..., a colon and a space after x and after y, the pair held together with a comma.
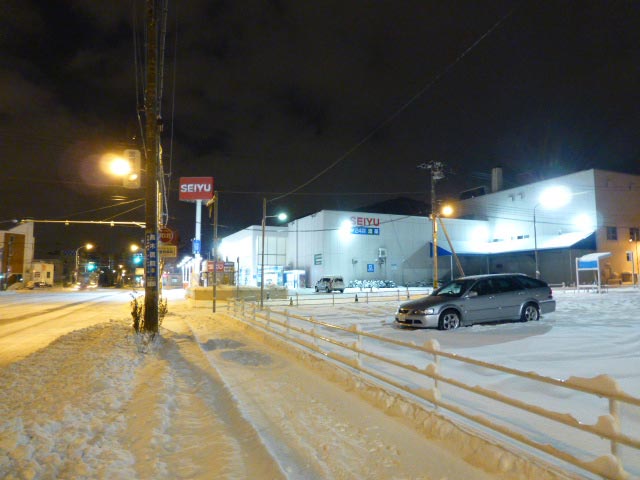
x: 87, y: 246
x: 126, y: 166
x: 553, y: 197
x: 120, y: 166
x: 282, y: 217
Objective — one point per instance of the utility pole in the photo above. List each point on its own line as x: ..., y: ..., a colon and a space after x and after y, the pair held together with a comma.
x: 436, y: 174
x: 152, y: 262
x: 213, y: 204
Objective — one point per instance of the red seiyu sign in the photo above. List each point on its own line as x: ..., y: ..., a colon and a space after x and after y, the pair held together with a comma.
x: 195, y: 188
x: 365, y: 221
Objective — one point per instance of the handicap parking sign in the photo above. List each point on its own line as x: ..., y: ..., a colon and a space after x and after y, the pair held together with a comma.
x: 370, y: 267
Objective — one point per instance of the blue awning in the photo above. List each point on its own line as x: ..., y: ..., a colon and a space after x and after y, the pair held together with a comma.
x: 441, y: 251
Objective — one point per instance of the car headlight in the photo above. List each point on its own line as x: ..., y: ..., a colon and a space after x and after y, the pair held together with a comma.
x: 426, y: 311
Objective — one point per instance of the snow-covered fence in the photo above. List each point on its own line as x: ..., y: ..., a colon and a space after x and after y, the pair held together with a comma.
x: 605, y: 416
x: 351, y: 295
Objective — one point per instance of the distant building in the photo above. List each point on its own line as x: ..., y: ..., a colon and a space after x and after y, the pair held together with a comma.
x: 16, y: 254
x: 546, y: 224
x: 43, y: 272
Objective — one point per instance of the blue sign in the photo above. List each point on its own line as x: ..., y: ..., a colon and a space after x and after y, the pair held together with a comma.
x: 371, y: 267
x: 151, y: 264
x: 365, y: 230
x: 195, y: 247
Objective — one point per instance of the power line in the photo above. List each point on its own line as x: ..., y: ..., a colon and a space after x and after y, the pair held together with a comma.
x: 402, y: 108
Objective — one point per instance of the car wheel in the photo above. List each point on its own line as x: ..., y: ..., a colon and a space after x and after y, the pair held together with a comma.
x: 449, y: 319
x: 530, y: 313
x: 341, y: 291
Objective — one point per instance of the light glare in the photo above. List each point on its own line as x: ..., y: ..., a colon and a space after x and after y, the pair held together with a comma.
x: 555, y: 197
x: 447, y: 210
x: 120, y: 166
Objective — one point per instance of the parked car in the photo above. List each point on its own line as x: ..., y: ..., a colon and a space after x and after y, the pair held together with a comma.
x: 330, y: 283
x: 478, y: 299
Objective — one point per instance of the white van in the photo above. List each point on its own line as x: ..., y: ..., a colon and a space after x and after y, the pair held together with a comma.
x: 329, y: 283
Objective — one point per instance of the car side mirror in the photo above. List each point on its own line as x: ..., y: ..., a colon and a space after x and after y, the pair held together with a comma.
x: 472, y: 294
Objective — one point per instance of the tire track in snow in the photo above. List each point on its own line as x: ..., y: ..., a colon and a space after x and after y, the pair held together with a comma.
x: 184, y: 423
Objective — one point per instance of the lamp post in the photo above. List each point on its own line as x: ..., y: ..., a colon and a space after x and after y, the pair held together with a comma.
x: 281, y: 217
x: 88, y: 246
x: 437, y: 173
x: 535, y: 241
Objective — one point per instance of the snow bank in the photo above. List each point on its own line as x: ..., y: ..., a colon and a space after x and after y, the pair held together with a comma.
x: 92, y: 370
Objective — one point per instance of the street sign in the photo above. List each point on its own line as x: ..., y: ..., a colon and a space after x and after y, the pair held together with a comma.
x: 195, y: 247
x: 151, y: 260
x: 166, y: 235
x: 167, y: 251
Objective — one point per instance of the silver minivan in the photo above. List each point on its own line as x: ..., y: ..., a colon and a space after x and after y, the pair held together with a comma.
x: 478, y: 299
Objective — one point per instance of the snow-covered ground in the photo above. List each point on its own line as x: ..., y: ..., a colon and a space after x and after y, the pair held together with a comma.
x: 212, y: 400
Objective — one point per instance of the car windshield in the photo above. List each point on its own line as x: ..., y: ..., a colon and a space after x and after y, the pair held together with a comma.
x: 455, y: 288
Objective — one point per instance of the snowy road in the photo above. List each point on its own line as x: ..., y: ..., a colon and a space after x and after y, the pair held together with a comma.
x: 209, y: 401
x: 30, y: 320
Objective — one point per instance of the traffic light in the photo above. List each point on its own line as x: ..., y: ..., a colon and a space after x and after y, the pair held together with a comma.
x: 132, y: 179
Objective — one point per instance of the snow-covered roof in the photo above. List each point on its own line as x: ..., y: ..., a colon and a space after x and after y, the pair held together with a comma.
x: 590, y: 257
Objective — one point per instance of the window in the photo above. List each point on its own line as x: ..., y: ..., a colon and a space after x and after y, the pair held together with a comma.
x: 483, y: 287
x: 612, y: 233
x: 634, y: 234
x: 530, y: 282
x: 506, y: 284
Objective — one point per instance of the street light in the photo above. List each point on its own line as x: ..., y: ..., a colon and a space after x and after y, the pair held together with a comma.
x: 127, y: 166
x: 282, y: 217
x: 88, y: 246
x: 552, y: 197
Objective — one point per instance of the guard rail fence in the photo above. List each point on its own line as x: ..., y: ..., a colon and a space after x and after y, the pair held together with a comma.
x: 612, y: 447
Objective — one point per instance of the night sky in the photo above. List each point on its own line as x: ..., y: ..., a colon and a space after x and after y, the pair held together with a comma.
x: 335, y: 101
